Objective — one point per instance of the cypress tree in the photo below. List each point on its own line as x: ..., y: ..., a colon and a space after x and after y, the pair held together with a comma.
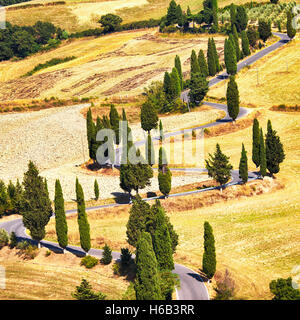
x: 83, y: 224
x: 262, y: 155
x: 164, y: 181
x: 215, y: 15
x: 255, y: 143
x: 198, y: 89
x: 162, y: 158
x: 46, y: 187
x: 172, y: 14
x: 114, y: 119
x: 245, y: 44
x: 149, y: 117
x: 202, y: 64
x: 147, y: 283
x: 216, y: 56
x: 274, y: 150
x: 36, y: 205
x: 167, y: 86
x: 291, y: 32
x: 4, y: 201
x: 149, y: 149
x: 230, y: 57
x: 233, y: 15
x: 161, y: 131
x: 194, y: 63
x: 218, y: 166
x: 175, y: 84
x: 264, y: 29
x: 162, y: 243
x: 90, y: 130
x: 96, y: 189
x: 60, y: 216
x: 209, y: 261
x: 241, y: 19
x: 232, y: 96
x: 179, y: 70
x: 138, y: 214
x: 235, y: 38
x: 243, y: 167
x: 188, y: 11
x: 211, y: 59
x: 106, y: 257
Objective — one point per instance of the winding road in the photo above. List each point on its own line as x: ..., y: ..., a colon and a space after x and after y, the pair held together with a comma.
x: 192, y: 286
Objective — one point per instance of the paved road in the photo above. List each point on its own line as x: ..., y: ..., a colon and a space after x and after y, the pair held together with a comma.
x: 192, y: 286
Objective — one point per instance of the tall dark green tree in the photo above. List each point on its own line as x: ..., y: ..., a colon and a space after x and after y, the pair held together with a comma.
x: 255, y: 143
x: 216, y: 56
x: 202, y: 64
x: 245, y: 44
x: 291, y: 32
x: 209, y: 261
x: 149, y: 117
x: 218, y: 166
x: 90, y: 131
x: 233, y: 13
x: 179, y: 70
x: 198, y: 88
x: 83, y: 224
x: 60, y: 216
x: 167, y: 86
x: 194, y: 63
x: 162, y: 243
x: 138, y: 215
x: 149, y: 151
x: 262, y: 154
x: 165, y: 181
x: 236, y: 43
x: 36, y: 206
x: 175, y: 84
x: 114, y: 119
x: 274, y: 150
x: 215, y: 15
x: 211, y: 63
x: 96, y: 189
x: 147, y: 282
x: 230, y: 57
x: 172, y: 14
x: 243, y: 167
x: 241, y: 18
x: 232, y: 96
x: 161, y: 132
x: 264, y: 29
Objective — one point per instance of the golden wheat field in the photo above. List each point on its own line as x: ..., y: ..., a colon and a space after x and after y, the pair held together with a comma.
x: 115, y: 65
x: 273, y: 80
x: 257, y: 237
x: 54, y: 277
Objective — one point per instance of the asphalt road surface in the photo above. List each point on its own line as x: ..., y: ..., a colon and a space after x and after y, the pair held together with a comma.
x: 192, y: 286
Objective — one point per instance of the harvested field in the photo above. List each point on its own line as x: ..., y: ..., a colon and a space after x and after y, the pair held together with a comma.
x: 120, y: 64
x: 54, y: 277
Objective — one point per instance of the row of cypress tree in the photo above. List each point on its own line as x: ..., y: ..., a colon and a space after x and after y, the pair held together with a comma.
x: 267, y: 152
x: 150, y: 231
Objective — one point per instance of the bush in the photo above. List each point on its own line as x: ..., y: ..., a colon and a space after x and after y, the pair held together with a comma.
x: 225, y: 288
x: 89, y: 262
x: 27, y: 250
x: 126, y: 258
x: 85, y: 292
x: 13, y: 240
x: 4, y: 238
x: 107, y: 257
x: 48, y: 253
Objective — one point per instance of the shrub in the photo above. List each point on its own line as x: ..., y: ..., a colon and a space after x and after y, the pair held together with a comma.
x: 48, y: 253
x: 225, y: 288
x: 107, y: 257
x: 85, y: 292
x: 13, y: 240
x: 4, y: 238
x: 89, y: 262
x: 27, y: 250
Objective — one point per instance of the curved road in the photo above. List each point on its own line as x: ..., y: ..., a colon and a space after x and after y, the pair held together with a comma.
x: 192, y: 286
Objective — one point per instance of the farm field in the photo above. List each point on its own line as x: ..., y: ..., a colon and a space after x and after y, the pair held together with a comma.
x: 256, y: 237
x: 54, y: 277
x: 279, y: 68
x: 115, y: 65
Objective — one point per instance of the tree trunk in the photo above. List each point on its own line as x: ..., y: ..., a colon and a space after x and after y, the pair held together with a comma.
x: 39, y: 245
